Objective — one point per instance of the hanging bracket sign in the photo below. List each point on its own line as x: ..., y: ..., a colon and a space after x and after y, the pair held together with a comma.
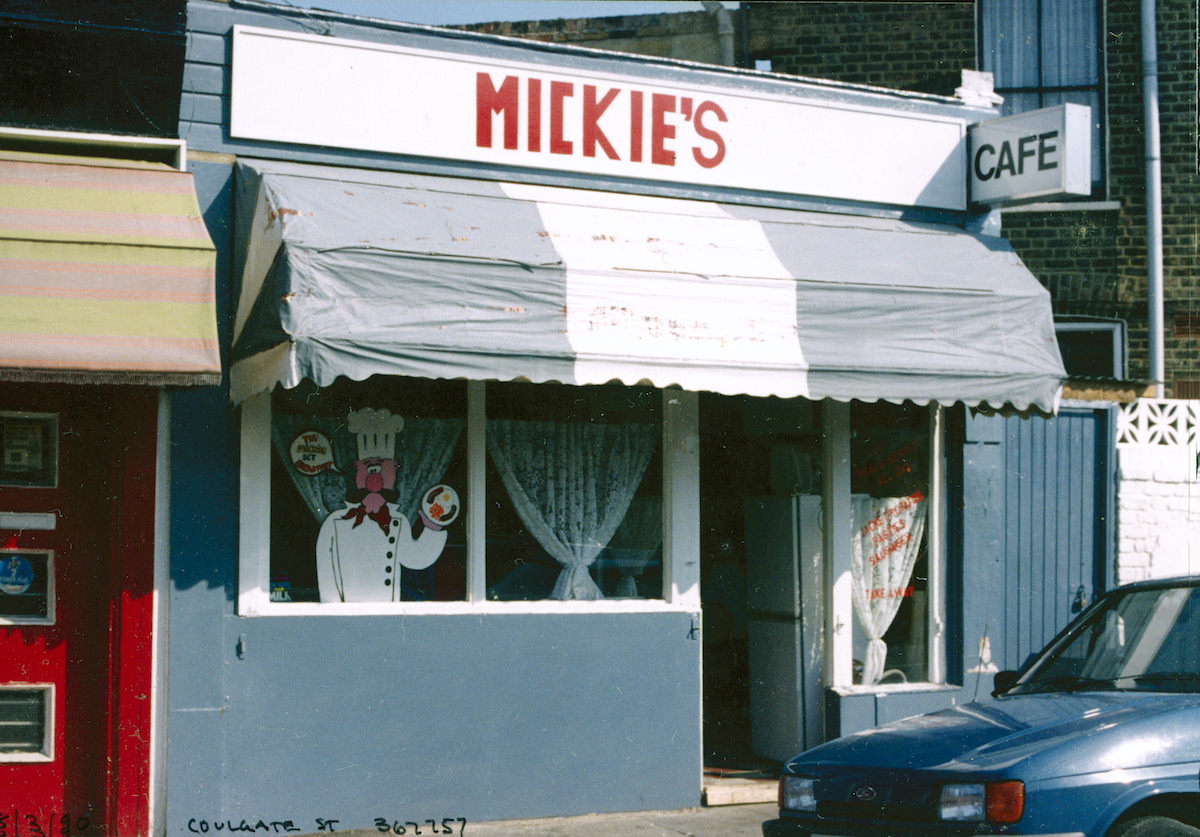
x: 1041, y: 154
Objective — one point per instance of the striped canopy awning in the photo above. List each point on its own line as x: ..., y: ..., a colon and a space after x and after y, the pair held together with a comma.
x: 358, y: 273
x: 106, y: 273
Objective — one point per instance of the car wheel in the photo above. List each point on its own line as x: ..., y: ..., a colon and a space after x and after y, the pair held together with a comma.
x: 1152, y: 827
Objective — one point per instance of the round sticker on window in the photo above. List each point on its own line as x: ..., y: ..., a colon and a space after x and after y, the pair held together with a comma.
x: 16, y: 575
x: 311, y: 453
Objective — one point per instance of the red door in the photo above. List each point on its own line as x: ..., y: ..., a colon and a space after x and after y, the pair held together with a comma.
x: 76, y: 572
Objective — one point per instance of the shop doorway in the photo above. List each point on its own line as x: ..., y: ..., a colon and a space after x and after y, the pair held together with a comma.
x: 76, y: 571
x: 756, y: 456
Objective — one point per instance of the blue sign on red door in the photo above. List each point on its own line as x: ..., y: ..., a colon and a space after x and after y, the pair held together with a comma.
x: 16, y: 574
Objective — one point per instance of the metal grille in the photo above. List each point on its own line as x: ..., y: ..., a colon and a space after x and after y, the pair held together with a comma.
x: 23, y: 720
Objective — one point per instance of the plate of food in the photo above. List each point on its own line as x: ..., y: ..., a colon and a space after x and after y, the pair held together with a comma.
x: 441, y: 505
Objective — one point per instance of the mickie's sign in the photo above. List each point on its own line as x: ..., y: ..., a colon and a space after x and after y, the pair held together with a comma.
x: 702, y: 128
x: 652, y: 125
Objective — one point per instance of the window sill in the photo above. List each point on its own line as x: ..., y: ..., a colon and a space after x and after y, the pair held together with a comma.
x: 268, y: 608
x: 893, y: 688
x: 1063, y: 206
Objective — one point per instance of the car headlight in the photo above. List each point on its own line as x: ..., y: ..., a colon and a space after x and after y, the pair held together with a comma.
x: 999, y: 802
x: 796, y: 793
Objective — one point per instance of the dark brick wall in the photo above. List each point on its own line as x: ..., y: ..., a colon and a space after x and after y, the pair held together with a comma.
x: 1104, y: 274
x: 690, y: 36
x: 1092, y: 260
x: 903, y: 45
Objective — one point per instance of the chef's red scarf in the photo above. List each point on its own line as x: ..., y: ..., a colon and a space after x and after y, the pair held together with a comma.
x: 383, y: 517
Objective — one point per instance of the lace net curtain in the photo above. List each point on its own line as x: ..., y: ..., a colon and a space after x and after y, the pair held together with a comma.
x: 423, y: 451
x: 881, y: 569
x: 635, y: 542
x: 572, y: 484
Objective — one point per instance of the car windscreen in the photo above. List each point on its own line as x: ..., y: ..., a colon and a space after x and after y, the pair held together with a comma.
x: 1145, y: 639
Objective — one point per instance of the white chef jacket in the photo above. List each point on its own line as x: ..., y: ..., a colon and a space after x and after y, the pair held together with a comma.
x: 362, y: 564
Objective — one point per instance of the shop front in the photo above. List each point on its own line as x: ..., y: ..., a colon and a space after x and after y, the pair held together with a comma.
x: 586, y: 431
x: 106, y: 297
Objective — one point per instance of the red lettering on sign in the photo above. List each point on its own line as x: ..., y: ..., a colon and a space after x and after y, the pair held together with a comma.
x: 592, y: 111
x: 559, y: 91
x: 714, y: 159
x: 489, y: 100
x: 635, y: 126
x: 535, y: 114
x: 518, y: 101
x: 660, y: 105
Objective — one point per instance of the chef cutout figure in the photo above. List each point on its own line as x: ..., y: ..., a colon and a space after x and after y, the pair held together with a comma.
x: 362, y: 547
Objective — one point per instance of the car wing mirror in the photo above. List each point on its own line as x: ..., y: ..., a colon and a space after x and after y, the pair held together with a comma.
x: 1003, y: 681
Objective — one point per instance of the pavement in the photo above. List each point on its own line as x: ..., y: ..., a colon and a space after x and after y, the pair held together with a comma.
x: 736, y: 807
x: 708, y: 821
x: 705, y: 821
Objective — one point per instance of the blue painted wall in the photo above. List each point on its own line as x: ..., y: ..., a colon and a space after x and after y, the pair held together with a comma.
x: 401, y: 717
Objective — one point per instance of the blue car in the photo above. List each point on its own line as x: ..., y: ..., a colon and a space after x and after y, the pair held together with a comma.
x: 1098, y: 734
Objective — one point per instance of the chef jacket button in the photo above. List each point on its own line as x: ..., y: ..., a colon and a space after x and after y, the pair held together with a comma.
x: 389, y: 555
x: 391, y: 540
x: 395, y: 522
x: 387, y: 569
x: 387, y: 582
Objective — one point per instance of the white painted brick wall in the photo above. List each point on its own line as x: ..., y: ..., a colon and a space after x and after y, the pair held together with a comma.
x: 1158, y: 494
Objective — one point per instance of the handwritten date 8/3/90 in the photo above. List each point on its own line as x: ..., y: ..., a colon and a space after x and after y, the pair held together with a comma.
x: 424, y: 827
x: 22, y: 824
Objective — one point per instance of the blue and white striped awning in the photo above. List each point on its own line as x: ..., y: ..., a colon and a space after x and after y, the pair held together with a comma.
x: 358, y: 273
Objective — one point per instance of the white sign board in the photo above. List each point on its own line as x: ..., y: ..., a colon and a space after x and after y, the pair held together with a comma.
x: 1039, y: 154
x: 304, y: 89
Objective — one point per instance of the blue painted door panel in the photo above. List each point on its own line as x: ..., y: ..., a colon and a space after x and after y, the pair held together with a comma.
x: 1037, y: 529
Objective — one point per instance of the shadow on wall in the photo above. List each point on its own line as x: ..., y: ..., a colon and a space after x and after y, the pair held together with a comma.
x: 204, y: 490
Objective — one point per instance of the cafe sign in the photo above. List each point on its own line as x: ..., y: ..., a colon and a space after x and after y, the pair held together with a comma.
x: 1037, y: 155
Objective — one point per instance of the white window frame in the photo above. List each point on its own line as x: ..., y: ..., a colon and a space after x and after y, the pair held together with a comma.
x: 47, y: 752
x: 1116, y: 330
x: 681, y: 524
x: 840, y: 619
x: 173, y: 151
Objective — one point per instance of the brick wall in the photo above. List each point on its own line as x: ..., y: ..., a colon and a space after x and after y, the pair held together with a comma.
x: 1158, y: 500
x: 690, y: 36
x: 902, y: 45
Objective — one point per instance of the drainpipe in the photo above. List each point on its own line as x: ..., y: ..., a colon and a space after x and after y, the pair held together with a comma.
x: 724, y: 29
x: 1154, y: 246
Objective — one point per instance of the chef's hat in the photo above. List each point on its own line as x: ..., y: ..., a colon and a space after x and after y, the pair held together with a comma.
x: 376, y: 431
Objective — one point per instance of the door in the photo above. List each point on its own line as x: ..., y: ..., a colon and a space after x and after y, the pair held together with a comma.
x: 785, y: 598
x: 73, y: 564
x: 1038, y: 529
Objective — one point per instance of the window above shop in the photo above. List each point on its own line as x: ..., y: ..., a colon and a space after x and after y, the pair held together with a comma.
x: 409, y: 494
x: 1045, y: 53
x: 1092, y: 348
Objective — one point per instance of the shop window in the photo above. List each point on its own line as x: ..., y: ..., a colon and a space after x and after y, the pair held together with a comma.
x: 575, y: 503
x: 370, y: 488
x: 889, y: 557
x: 367, y: 484
x: 1044, y: 53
